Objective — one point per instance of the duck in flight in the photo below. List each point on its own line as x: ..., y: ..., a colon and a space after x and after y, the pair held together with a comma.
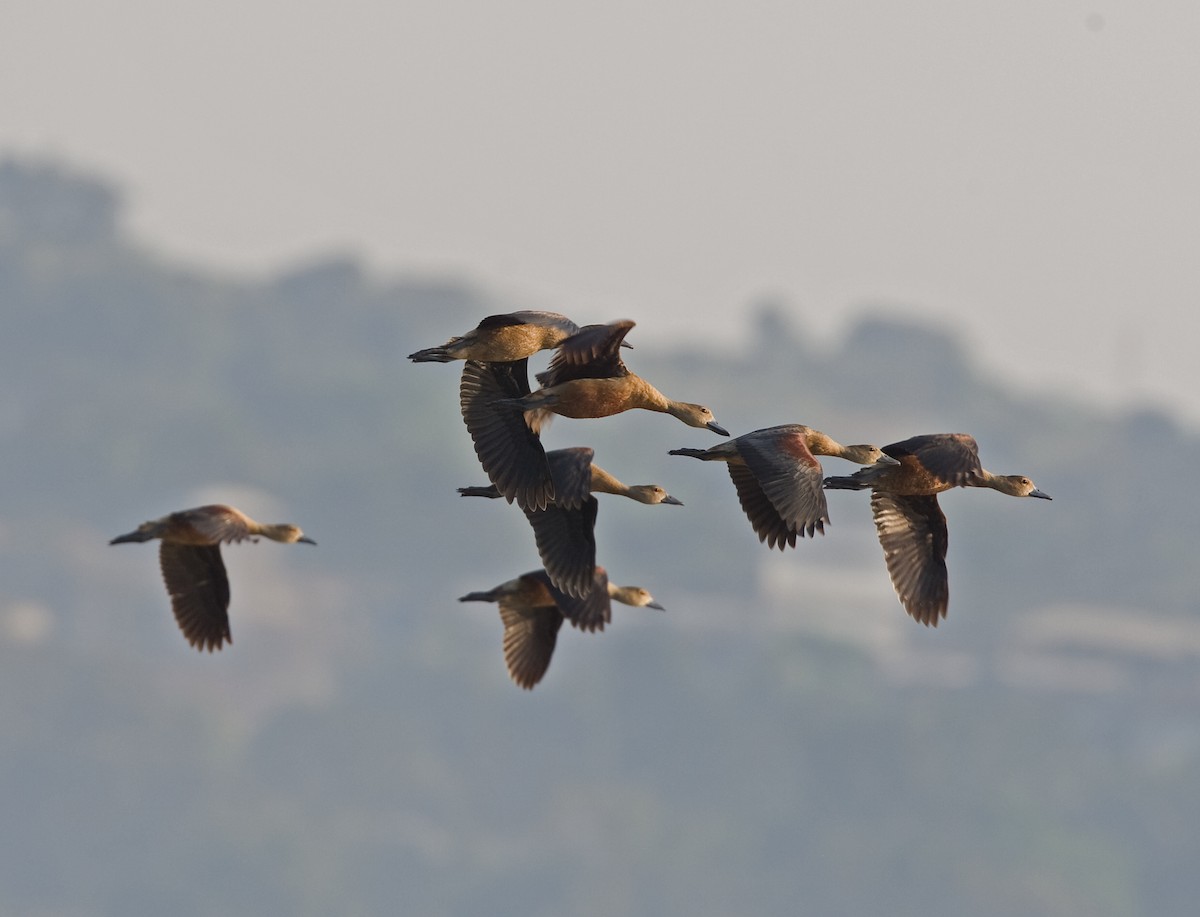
x: 588, y: 378
x: 908, y: 520
x: 532, y: 610
x: 778, y: 477
x: 502, y: 338
x: 189, y: 554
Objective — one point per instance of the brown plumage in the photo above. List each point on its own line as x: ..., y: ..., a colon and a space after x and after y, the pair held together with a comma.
x: 509, y: 450
x: 190, y: 557
x: 778, y: 478
x: 588, y: 378
x: 502, y: 338
x: 910, y: 523
x: 564, y: 529
x: 532, y: 611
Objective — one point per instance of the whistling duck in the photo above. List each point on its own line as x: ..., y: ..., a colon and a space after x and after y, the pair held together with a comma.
x: 532, y: 611
x: 778, y: 477
x: 910, y: 523
x: 190, y: 557
x: 501, y: 338
x: 588, y: 378
x: 564, y: 529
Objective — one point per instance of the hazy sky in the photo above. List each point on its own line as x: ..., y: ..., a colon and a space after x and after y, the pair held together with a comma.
x: 1030, y: 169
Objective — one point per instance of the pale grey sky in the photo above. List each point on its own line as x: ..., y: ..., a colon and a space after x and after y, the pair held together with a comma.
x: 1030, y: 169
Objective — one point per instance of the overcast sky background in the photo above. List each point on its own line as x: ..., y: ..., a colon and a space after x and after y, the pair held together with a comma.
x: 1029, y: 171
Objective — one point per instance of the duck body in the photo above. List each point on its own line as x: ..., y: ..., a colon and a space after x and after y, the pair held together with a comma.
x: 777, y: 476
x: 532, y: 611
x: 502, y: 338
x: 909, y: 521
x: 587, y: 378
x: 192, y: 567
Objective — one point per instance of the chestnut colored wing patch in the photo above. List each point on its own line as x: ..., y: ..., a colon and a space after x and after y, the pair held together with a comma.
x: 951, y: 458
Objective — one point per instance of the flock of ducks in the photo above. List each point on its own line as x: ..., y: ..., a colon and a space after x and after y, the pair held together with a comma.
x: 778, y: 478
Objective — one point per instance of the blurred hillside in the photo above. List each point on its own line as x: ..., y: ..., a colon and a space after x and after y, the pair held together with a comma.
x: 782, y: 734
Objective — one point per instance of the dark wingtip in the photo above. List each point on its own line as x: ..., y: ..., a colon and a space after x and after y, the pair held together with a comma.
x: 130, y: 537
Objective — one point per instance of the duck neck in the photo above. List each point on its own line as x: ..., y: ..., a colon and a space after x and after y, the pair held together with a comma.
x: 605, y: 483
x: 647, y: 397
x: 984, y: 478
x: 820, y: 444
x: 1014, y: 485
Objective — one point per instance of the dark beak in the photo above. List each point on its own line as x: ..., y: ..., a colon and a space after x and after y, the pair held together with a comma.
x: 306, y: 540
x: 717, y: 428
x: 655, y: 605
x: 669, y: 499
x: 1040, y: 495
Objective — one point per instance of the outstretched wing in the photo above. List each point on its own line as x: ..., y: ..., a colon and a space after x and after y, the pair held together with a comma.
x: 594, y: 352
x: 530, y: 635
x: 571, y: 470
x: 789, y: 475
x: 509, y: 451
x: 591, y: 611
x: 912, y: 531
x: 764, y: 518
x: 566, y: 543
x: 199, y: 590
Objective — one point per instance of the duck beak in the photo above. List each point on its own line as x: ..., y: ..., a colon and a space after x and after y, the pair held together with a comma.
x: 669, y: 499
x: 886, y: 460
x: 306, y: 540
x: 1040, y: 495
x: 717, y: 428
x: 655, y: 605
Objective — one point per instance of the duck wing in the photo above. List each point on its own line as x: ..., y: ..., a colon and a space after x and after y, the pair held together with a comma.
x: 951, y: 458
x: 510, y: 452
x: 199, y: 590
x: 571, y: 470
x: 789, y: 475
x: 566, y: 543
x: 530, y: 635
x: 594, y: 352
x: 764, y: 517
x: 912, y: 531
